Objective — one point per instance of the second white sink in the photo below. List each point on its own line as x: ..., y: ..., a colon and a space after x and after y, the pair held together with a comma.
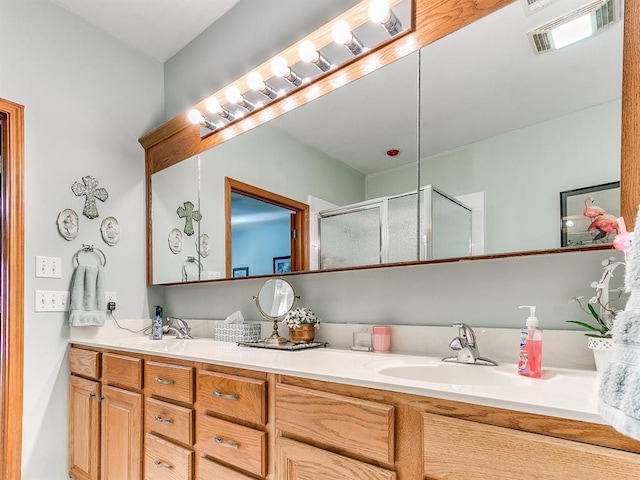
x: 456, y: 374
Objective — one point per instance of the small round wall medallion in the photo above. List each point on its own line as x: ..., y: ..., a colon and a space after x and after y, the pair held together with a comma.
x: 68, y: 224
x: 110, y: 229
x: 203, y: 246
x: 175, y: 241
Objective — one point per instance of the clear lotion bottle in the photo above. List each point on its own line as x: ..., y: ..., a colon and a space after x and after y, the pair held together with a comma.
x: 530, y: 358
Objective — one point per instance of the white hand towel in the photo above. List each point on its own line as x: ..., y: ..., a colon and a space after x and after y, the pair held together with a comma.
x: 87, y: 302
x: 619, y: 395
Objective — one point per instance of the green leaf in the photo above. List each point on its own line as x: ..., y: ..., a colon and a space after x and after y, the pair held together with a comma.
x: 593, y: 312
x: 585, y: 325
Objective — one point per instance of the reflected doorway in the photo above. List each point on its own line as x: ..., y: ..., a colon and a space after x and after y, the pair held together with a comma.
x: 266, y: 233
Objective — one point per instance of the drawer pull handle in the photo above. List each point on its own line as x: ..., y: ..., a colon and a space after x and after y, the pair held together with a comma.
x: 158, y: 418
x: 226, y: 396
x: 164, y: 382
x: 222, y: 443
x: 159, y: 464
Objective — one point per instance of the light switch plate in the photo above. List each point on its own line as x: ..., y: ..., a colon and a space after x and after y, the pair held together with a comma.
x: 51, y: 301
x: 48, y: 267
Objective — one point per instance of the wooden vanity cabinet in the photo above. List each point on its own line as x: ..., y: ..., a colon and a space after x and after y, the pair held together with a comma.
x: 209, y: 422
x: 105, y: 415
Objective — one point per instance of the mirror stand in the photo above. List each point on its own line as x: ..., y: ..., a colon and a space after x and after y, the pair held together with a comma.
x: 275, y: 338
x: 277, y: 298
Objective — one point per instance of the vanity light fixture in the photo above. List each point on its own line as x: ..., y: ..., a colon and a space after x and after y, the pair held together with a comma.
x: 196, y: 118
x: 213, y: 106
x: 310, y: 54
x: 280, y: 68
x: 342, y: 34
x: 380, y: 12
x: 234, y: 96
x: 574, y: 26
x: 255, y: 82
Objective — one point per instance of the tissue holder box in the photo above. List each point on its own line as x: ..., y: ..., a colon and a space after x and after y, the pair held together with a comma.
x: 237, y: 332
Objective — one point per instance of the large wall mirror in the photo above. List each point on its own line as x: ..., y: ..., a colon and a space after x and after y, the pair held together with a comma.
x: 459, y: 149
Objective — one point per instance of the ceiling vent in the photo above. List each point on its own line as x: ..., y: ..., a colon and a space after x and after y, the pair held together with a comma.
x: 574, y: 26
x: 532, y: 6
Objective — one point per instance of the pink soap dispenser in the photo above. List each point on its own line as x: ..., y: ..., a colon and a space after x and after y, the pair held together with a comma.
x: 530, y: 358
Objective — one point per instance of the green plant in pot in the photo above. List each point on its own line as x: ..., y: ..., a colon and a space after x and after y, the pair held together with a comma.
x: 603, y: 308
x: 302, y: 323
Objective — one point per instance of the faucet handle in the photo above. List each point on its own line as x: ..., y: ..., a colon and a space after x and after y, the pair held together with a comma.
x: 466, y: 333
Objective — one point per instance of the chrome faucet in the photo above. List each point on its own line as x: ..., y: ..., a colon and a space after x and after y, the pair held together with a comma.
x: 177, y: 326
x: 466, y: 346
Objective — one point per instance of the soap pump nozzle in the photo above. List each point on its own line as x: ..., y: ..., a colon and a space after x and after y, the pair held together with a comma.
x: 532, y: 320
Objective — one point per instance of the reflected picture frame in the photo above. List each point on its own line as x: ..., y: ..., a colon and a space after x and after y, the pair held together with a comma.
x: 282, y: 264
x: 240, y: 272
x: 587, y: 215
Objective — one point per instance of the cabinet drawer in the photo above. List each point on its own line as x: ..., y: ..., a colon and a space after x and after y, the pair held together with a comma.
x: 174, y: 382
x: 169, y: 420
x: 456, y: 449
x: 353, y: 425
x: 164, y: 460
x: 84, y: 362
x: 298, y: 461
x: 208, y: 470
x: 238, y: 397
x: 122, y: 370
x: 233, y: 444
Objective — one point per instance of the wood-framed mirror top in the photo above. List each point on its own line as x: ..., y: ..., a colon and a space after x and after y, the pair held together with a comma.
x: 177, y: 139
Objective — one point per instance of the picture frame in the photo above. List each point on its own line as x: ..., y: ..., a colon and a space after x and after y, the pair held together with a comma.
x: 587, y: 215
x: 282, y: 264
x: 240, y: 272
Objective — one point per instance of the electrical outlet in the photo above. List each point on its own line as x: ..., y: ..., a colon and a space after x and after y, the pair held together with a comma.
x: 51, y: 301
x: 48, y: 267
x: 110, y: 298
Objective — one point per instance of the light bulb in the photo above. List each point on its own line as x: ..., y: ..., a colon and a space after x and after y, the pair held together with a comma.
x: 379, y: 11
x: 341, y: 32
x: 194, y: 116
x: 254, y: 81
x: 213, y: 105
x: 233, y: 94
x: 308, y: 52
x: 279, y: 67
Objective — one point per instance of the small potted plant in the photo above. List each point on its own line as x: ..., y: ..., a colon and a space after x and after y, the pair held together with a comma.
x: 601, y: 308
x: 302, y: 323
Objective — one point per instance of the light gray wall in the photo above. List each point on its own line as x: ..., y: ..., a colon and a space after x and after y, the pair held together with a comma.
x: 87, y: 99
x: 250, y: 33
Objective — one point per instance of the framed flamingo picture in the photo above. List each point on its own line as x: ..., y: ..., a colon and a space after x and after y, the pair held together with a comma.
x: 589, y: 215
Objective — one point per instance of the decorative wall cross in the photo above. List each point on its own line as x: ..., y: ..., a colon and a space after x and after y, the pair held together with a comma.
x: 89, y: 188
x: 189, y: 214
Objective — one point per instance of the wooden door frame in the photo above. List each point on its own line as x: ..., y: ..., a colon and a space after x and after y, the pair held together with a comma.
x: 12, y: 321
x: 299, y: 245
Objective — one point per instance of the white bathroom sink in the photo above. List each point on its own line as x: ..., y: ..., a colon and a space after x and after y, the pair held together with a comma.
x: 456, y: 374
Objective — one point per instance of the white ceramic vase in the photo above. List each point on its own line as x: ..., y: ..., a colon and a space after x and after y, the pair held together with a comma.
x: 602, y: 351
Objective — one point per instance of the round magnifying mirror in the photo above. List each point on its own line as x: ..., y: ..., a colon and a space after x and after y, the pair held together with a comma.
x: 274, y: 300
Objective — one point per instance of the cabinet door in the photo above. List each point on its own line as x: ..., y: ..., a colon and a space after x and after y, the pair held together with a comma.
x: 84, y: 429
x: 121, y: 434
x: 297, y: 461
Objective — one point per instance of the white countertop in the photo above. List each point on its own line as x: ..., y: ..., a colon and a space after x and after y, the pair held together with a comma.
x: 564, y: 393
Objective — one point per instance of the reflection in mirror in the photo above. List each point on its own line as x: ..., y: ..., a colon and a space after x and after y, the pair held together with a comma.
x: 505, y: 130
x: 274, y: 300
x: 328, y: 153
x: 175, y: 251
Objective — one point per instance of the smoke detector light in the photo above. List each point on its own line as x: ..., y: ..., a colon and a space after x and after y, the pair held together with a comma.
x: 575, y: 26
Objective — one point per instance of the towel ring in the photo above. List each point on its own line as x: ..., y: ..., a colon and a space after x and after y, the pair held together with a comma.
x: 90, y: 248
x: 185, y: 276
